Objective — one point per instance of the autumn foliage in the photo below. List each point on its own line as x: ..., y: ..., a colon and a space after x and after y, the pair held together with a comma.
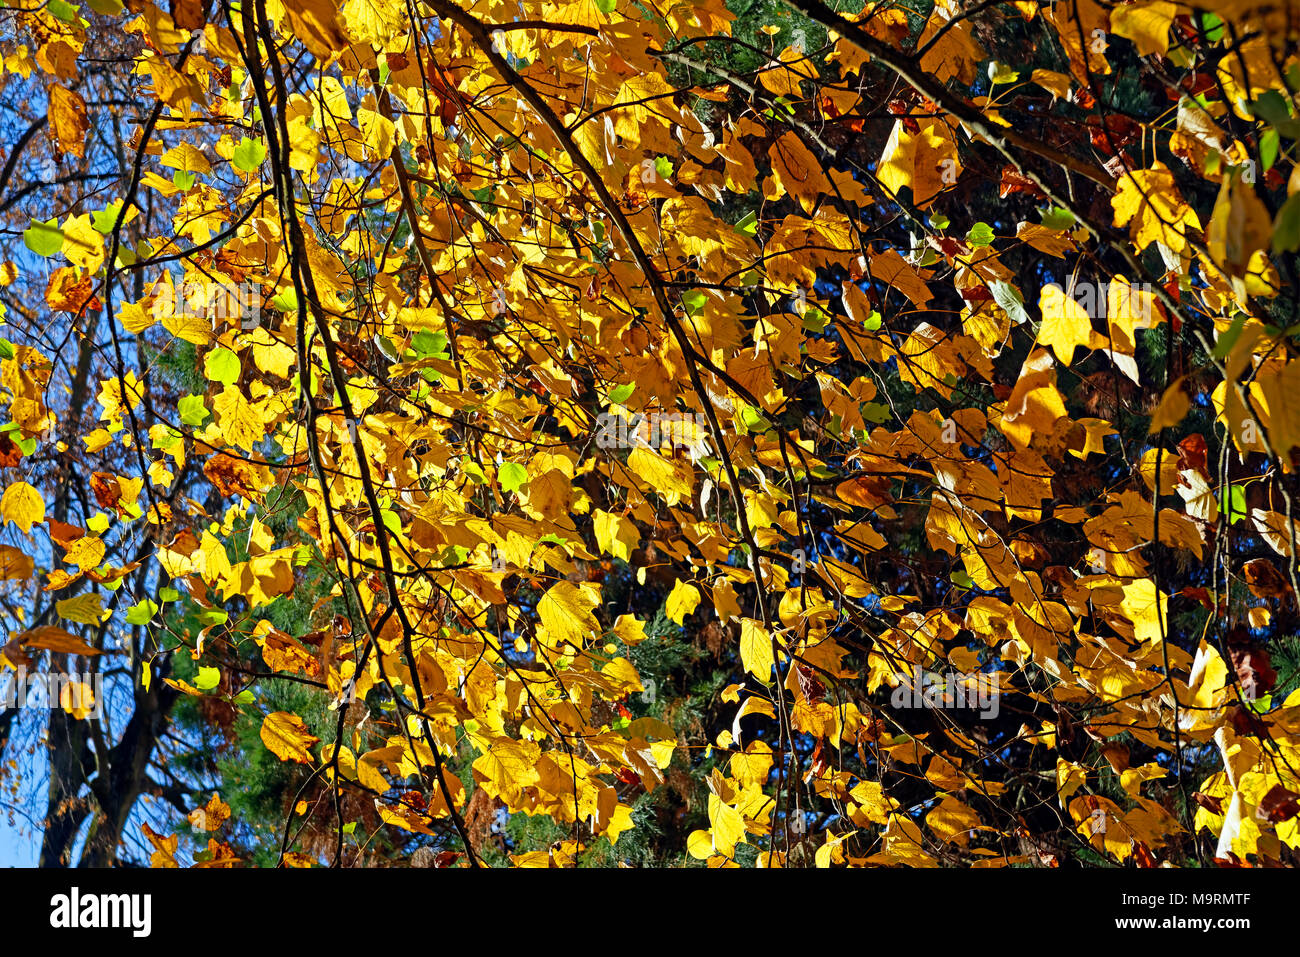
x: 851, y: 352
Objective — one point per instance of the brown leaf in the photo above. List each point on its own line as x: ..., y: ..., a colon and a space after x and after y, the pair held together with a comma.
x: 1264, y: 580
x: 1251, y: 661
x: 53, y: 638
x: 1279, y: 804
x: 68, y: 123
x: 69, y: 292
x: 107, y: 489
x: 212, y: 815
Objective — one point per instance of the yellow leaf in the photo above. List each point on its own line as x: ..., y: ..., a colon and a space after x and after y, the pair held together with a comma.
x: 82, y: 244
x: 316, y: 24
x: 1168, y: 470
x: 187, y: 158
x: 1036, y: 405
x: 756, y: 649
x: 728, y: 826
x: 86, y: 552
x: 952, y: 821
x: 77, y: 698
x: 1057, y: 83
x: 22, y: 505
x: 1239, y: 227
x: 795, y: 171
x: 373, y: 21
x: 1146, y: 24
x: 615, y: 534
x: 699, y: 844
x: 84, y: 609
x: 1174, y: 406
x: 239, y: 419
x: 164, y: 855
x: 1145, y: 609
x: 211, y: 816
x: 1066, y: 325
x: 682, y: 600
x: 188, y: 325
x: 725, y: 602
x: 377, y: 131
x: 927, y: 160
x: 1151, y: 205
x: 368, y: 766
x: 566, y: 612
x: 671, y: 480
x: 630, y: 629
x: 286, y: 736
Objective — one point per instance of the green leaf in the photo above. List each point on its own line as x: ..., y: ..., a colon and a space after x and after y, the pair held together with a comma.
x: 512, y: 476
x: 814, y: 320
x: 244, y: 697
x: 26, y: 446
x: 939, y: 221
x: 44, y: 239
x: 222, y: 365
x: 62, y: 10
x: 192, y: 410
x: 622, y: 393
x: 1269, y: 142
x: 104, y: 220
x: 250, y: 153
x: 1233, y: 504
x: 664, y: 167
x: 748, y: 225
x: 141, y: 613
x: 168, y: 593
x: 1273, y: 109
x: 208, y: 678
x: 981, y: 234
x: 693, y: 301
x: 6, y: 349
x: 961, y: 579
x: 183, y: 181
x: 1286, y: 229
x: 1009, y: 298
x: 286, y: 301
x: 1057, y: 218
x: 1001, y: 73
x: 426, y: 342
x: 1261, y: 705
x: 752, y: 419
x: 213, y: 616
x: 108, y: 8
x: 876, y: 412
x: 1229, y: 338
